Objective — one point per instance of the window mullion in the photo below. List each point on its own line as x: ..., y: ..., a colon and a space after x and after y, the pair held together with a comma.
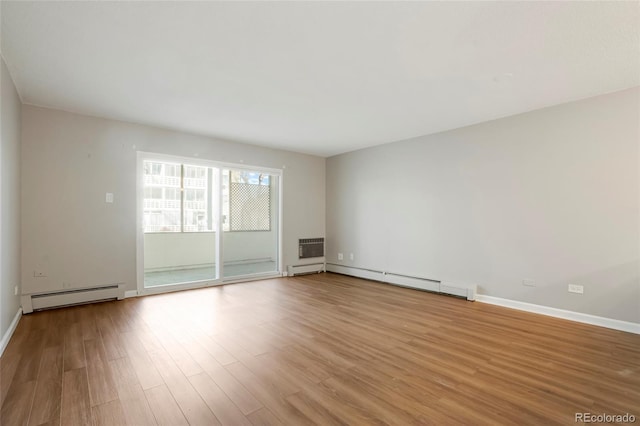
x: 182, y: 198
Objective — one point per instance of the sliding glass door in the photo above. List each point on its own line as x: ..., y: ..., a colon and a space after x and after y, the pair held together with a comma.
x: 205, y: 223
x: 180, y: 221
x: 250, y: 222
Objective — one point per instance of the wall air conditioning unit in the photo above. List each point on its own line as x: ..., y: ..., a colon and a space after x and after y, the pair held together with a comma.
x: 77, y: 296
x: 310, y: 247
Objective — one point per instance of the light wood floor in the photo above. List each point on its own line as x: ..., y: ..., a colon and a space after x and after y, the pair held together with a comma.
x: 323, y: 349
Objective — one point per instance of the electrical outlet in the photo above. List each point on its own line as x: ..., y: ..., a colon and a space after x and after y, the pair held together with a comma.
x: 529, y: 283
x: 39, y: 274
x: 351, y: 256
x: 15, y: 291
x: 340, y: 256
x: 108, y: 197
x: 574, y: 288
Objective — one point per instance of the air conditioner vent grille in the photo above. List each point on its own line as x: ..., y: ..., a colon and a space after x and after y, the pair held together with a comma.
x: 310, y: 247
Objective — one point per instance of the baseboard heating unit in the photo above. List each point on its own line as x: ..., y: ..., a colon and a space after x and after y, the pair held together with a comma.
x: 77, y: 296
x: 451, y: 288
x: 312, y: 268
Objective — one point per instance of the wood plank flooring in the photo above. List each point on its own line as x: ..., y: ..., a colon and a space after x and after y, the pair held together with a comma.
x: 320, y: 349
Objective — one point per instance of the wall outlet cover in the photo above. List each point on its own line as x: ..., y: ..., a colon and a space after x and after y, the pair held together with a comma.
x: 340, y: 256
x: 574, y: 288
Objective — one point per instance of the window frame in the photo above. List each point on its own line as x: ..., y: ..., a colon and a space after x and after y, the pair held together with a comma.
x: 220, y: 166
x: 278, y: 198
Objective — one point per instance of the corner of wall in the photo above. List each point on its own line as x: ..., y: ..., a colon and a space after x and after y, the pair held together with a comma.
x: 10, y: 203
x: 6, y: 337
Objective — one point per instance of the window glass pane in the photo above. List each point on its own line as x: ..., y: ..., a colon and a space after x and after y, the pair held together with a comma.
x: 172, y: 193
x: 246, y: 201
x: 172, y: 170
x: 225, y: 200
x: 161, y: 197
x: 165, y: 184
x: 198, y: 200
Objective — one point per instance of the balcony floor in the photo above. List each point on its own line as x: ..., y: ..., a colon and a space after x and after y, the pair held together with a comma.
x: 159, y: 278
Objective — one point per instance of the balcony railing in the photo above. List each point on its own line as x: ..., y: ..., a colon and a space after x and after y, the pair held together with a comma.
x: 195, y: 183
x: 154, y: 180
x: 162, y: 228
x: 151, y: 204
x: 174, y: 182
x: 195, y: 205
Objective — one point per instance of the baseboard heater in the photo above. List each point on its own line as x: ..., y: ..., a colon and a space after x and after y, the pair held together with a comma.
x: 468, y: 291
x: 312, y: 268
x: 77, y: 296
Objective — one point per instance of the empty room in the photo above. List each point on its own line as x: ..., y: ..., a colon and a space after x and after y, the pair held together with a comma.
x: 331, y: 213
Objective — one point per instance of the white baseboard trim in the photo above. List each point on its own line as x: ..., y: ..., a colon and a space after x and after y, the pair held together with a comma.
x: 629, y: 327
x: 12, y: 327
x: 130, y: 293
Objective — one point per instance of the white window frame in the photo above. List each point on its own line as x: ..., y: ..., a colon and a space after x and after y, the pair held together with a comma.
x: 149, y: 156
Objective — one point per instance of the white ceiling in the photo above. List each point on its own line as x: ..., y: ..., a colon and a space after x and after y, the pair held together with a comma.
x: 317, y: 77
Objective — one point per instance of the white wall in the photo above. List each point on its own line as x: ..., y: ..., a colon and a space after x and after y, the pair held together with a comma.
x: 70, y: 161
x: 239, y: 246
x: 169, y: 250
x: 550, y: 195
x: 9, y: 199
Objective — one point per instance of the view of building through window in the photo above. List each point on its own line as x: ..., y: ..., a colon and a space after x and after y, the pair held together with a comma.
x: 180, y: 198
x: 165, y: 210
